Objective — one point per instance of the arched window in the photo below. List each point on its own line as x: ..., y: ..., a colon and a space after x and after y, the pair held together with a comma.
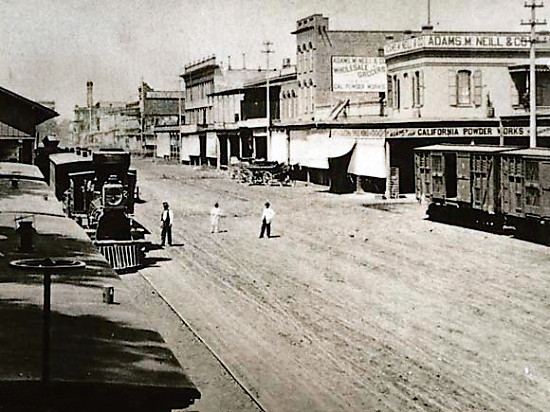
x: 464, y: 87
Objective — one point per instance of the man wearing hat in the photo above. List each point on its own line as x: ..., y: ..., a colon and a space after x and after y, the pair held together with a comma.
x: 166, y: 219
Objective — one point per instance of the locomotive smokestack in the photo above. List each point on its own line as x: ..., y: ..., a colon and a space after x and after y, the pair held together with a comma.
x: 90, y: 93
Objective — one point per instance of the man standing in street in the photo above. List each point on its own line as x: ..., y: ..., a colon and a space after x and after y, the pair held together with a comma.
x: 166, y: 219
x: 267, y: 216
x: 215, y: 216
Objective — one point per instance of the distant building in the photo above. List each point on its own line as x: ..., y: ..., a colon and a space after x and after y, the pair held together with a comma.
x: 126, y: 125
x: 245, y: 135
x: 19, y: 118
x: 210, y: 112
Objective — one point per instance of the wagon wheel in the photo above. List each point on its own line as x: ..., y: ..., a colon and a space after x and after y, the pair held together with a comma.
x: 267, y: 178
x: 257, y: 178
x: 286, y: 181
x: 246, y: 176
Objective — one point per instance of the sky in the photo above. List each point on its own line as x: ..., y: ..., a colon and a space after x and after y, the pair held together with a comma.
x: 49, y: 49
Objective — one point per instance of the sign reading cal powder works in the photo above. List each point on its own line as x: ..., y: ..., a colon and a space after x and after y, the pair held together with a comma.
x: 358, y: 74
x: 449, y: 41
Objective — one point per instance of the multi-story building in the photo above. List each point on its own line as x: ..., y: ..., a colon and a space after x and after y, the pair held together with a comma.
x: 457, y: 87
x: 212, y: 107
x: 126, y: 125
x: 324, y: 60
x: 247, y: 135
x: 365, y: 99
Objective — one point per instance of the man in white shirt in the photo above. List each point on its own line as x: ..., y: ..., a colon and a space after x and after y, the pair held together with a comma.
x: 267, y: 216
x: 215, y: 216
x: 167, y: 218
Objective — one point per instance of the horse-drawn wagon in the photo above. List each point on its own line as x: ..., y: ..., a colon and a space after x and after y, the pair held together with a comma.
x: 261, y: 172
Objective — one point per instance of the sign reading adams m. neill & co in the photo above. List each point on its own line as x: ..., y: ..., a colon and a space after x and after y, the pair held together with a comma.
x: 459, y: 41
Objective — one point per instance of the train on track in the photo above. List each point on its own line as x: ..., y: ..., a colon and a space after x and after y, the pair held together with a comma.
x: 99, y: 191
x: 489, y: 187
x: 74, y: 339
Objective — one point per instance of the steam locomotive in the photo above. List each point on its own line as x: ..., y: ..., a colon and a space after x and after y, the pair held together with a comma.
x: 98, y: 190
x: 488, y: 187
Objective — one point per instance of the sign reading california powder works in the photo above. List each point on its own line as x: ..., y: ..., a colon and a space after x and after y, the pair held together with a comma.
x: 513, y: 131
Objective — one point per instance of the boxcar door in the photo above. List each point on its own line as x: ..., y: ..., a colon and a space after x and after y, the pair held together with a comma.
x: 438, y: 175
x: 532, y: 179
x: 464, y: 185
x: 545, y: 186
x: 422, y: 175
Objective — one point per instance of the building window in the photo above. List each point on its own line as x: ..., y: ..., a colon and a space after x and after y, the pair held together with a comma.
x: 407, y: 91
x: 417, y: 89
x: 311, y: 95
x: 396, y: 93
x: 464, y: 87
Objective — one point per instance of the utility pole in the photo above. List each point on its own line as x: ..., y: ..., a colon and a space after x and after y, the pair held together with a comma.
x: 533, y: 22
x: 142, y: 117
x: 178, y: 142
x: 268, y: 50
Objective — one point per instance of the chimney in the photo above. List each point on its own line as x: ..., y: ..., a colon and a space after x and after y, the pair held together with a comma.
x: 427, y: 29
x: 244, y: 61
x: 286, y: 62
x: 90, y: 93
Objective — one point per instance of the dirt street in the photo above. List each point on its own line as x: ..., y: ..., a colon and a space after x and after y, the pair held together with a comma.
x: 349, y: 307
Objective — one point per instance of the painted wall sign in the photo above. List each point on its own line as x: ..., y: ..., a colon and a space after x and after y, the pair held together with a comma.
x: 510, y: 131
x: 358, y: 74
x: 448, y: 41
x: 358, y: 133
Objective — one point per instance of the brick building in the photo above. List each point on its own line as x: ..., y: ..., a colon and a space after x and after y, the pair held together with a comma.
x: 317, y: 51
x: 439, y: 86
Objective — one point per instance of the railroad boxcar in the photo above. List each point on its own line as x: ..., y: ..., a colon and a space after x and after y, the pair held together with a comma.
x: 86, y: 353
x: 525, y: 190
x: 461, y: 183
x: 486, y: 186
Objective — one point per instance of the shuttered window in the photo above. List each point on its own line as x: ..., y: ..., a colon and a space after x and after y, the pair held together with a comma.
x: 396, y: 93
x: 452, y: 87
x: 465, y: 87
x: 418, y: 89
x: 464, y: 91
x: 478, y: 88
